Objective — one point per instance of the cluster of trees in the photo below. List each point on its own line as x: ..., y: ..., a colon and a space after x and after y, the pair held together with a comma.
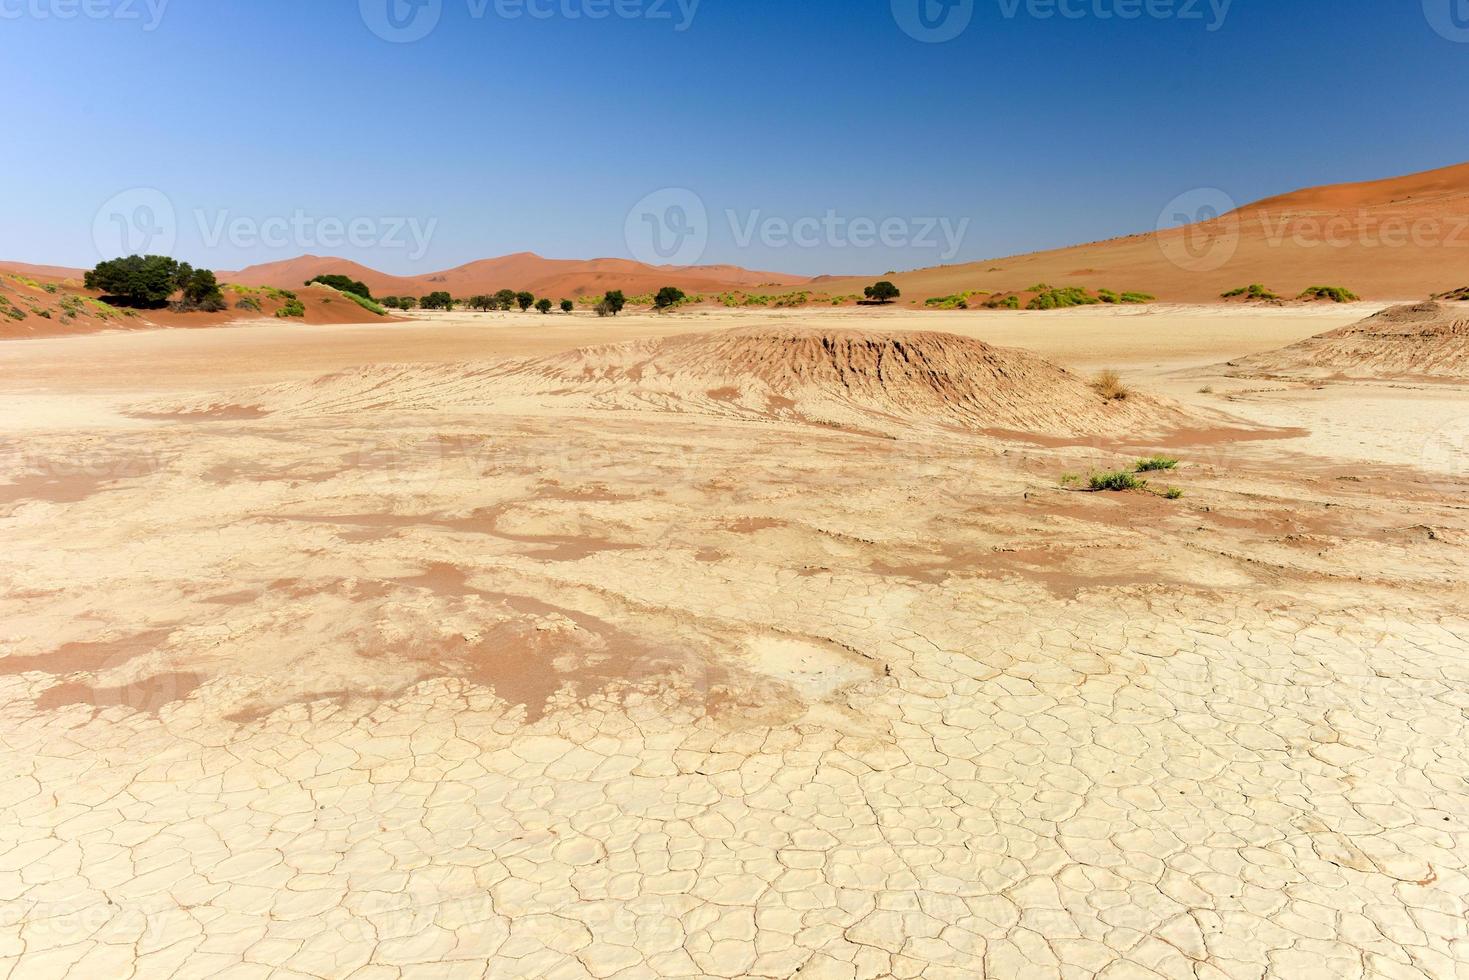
x: 150, y: 281
x: 400, y: 302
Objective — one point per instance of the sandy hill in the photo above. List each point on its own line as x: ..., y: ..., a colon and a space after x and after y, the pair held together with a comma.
x: 1402, y: 238
x: 1421, y: 341
x: 885, y: 382
x: 555, y: 278
x: 42, y: 301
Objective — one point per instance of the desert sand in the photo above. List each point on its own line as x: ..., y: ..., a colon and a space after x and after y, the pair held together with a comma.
x: 729, y: 644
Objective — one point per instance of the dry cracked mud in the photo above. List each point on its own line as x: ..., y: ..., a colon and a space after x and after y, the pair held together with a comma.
x: 539, y: 684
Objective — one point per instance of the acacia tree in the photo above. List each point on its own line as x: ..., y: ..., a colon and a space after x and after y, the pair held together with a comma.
x: 567, y: 306
x: 882, y: 292
x: 543, y: 305
x: 506, y: 299
x: 614, y: 301
x: 524, y: 300
x: 668, y: 297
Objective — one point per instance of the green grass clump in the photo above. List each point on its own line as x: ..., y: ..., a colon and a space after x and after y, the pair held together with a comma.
x: 1060, y: 299
x: 1116, y: 482
x: 293, y: 308
x: 1255, y: 292
x: 1070, y: 479
x: 1337, y: 294
x: 1011, y: 302
x: 9, y: 309
x: 958, y: 301
x: 1137, y: 298
x: 248, y: 303
x: 1173, y: 493
x: 1155, y: 464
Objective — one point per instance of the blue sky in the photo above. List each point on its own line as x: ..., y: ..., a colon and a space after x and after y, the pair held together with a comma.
x: 242, y: 131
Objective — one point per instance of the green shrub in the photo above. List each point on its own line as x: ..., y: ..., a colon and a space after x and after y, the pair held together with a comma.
x: 958, y: 301
x: 1138, y: 298
x: 292, y: 308
x: 1173, y: 493
x: 1156, y: 464
x: 1337, y: 294
x: 1118, y: 481
x: 1255, y: 292
x: 366, y: 304
x: 1064, y: 298
x: 248, y: 303
x: 1010, y: 302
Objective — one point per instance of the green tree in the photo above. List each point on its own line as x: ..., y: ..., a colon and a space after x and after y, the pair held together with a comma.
x: 439, y: 300
x: 506, y: 298
x: 567, y: 306
x: 145, y: 281
x: 543, y: 305
x: 201, y: 291
x: 407, y: 303
x: 882, y: 292
x: 668, y: 296
x: 483, y: 303
x: 615, y: 301
x: 524, y: 300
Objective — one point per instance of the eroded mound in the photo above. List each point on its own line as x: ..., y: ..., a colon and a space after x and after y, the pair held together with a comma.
x: 857, y: 378
x: 1420, y: 340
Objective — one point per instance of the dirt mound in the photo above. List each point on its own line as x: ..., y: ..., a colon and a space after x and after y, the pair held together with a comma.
x: 859, y: 379
x: 1418, y: 341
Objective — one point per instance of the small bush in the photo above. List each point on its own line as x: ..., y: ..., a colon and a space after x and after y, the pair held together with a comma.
x: 1070, y: 479
x: 1109, y: 385
x: 248, y: 303
x: 1116, y: 482
x: 1156, y: 464
x: 1060, y: 299
x: 1173, y: 493
x: 1255, y: 292
x: 1336, y: 294
x: 1011, y: 302
x: 293, y: 308
x: 567, y: 306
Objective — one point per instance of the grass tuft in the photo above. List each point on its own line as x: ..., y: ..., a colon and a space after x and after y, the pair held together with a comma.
x: 1109, y: 385
x: 1155, y: 464
x: 1119, y: 481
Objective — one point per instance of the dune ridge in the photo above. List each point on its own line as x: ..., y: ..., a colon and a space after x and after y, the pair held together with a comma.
x: 1416, y: 341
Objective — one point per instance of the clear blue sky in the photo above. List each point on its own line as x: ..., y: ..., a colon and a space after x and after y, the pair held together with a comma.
x: 507, y: 133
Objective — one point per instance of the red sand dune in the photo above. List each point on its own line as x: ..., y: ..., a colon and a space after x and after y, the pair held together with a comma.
x: 1402, y: 238
x: 555, y: 278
